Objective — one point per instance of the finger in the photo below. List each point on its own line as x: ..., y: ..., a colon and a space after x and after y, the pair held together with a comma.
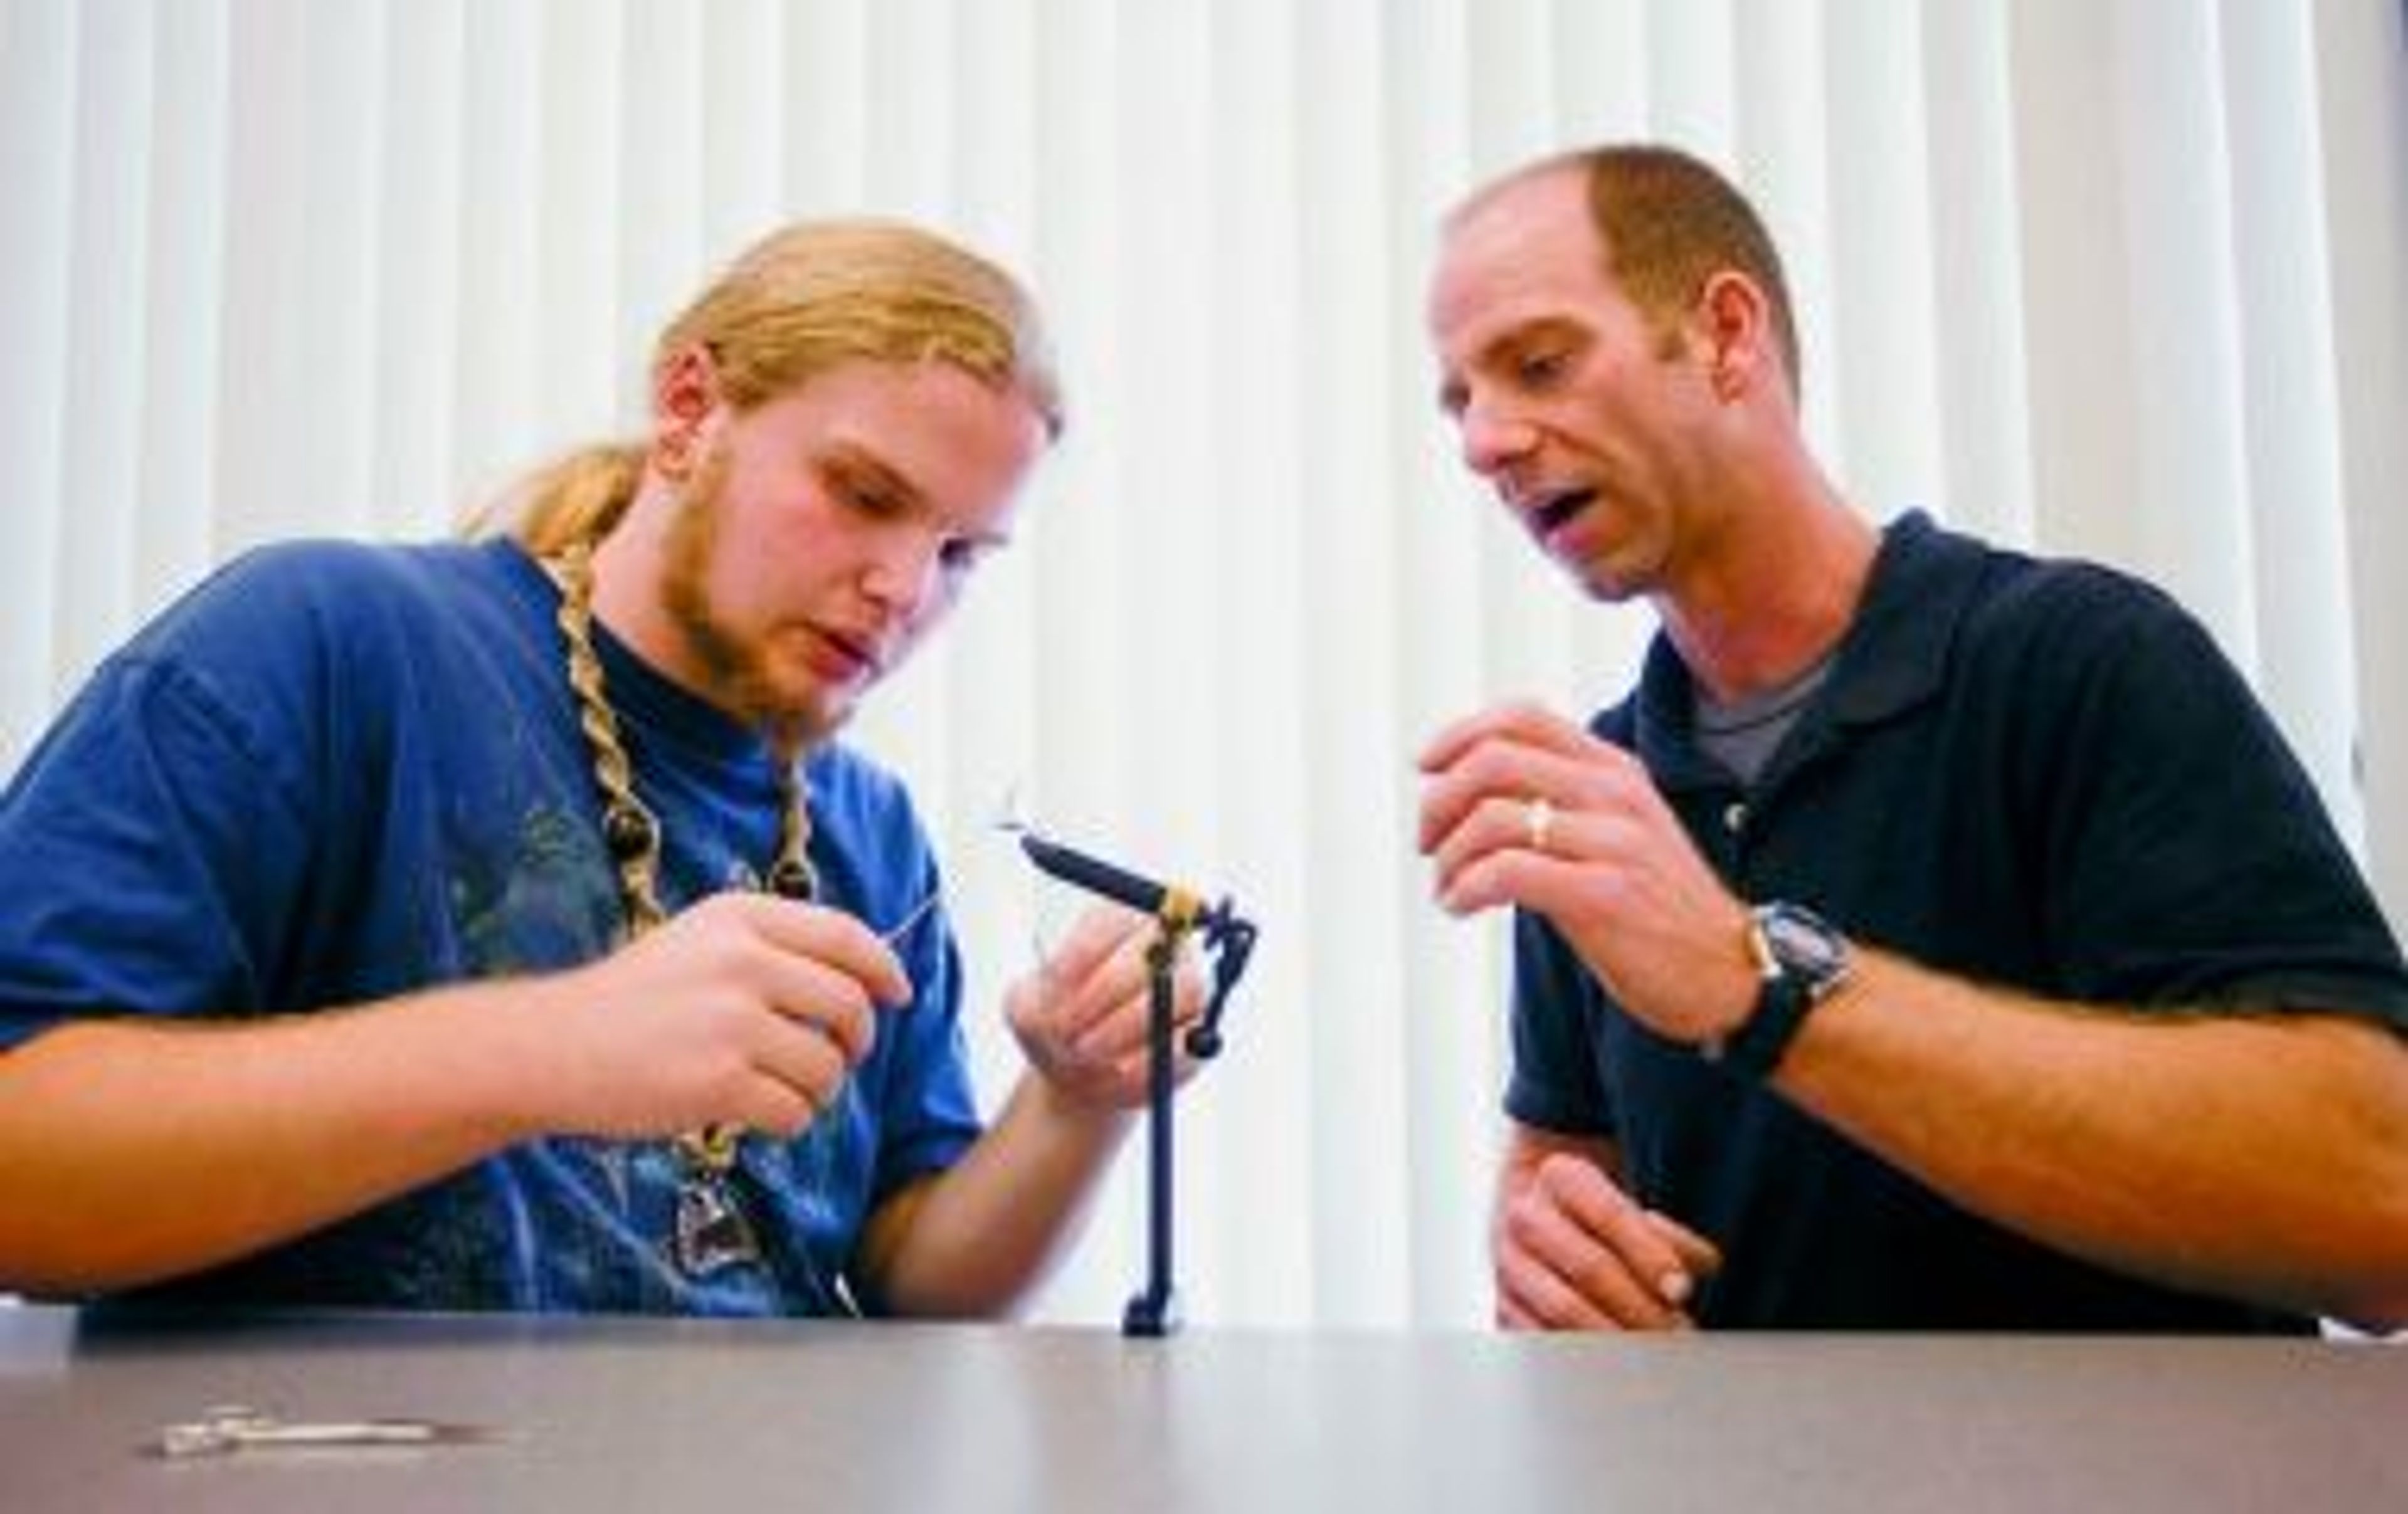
x: 1081, y: 1010
x: 1101, y: 934
x: 1115, y: 1015
x: 1496, y: 766
x: 830, y: 937
x: 1542, y: 1296
x: 1132, y: 1056
x: 1700, y: 1256
x: 1133, y: 1073
x: 1125, y: 976
x: 775, y: 1109
x: 1593, y: 1206
x: 1521, y: 721
x: 1495, y: 857
x: 1119, y: 1032
x: 1497, y: 825
x: 810, y: 994
x: 799, y: 1080
x: 1513, y: 770
x: 1188, y: 996
x: 802, y: 1054
x: 1599, y: 1272
x: 1547, y: 886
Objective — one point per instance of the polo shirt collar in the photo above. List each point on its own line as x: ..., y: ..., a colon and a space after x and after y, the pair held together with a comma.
x: 1894, y: 656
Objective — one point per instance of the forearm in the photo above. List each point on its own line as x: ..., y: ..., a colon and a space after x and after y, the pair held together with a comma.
x: 974, y: 1240
x: 2263, y: 1157
x: 132, y: 1152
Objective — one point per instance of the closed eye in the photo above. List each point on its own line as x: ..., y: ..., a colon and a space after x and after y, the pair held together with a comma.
x: 866, y: 496
x: 1538, y: 369
x: 861, y: 481
x: 960, y: 554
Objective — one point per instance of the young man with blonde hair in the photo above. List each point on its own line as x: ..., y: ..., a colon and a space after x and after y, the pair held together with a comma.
x: 496, y: 924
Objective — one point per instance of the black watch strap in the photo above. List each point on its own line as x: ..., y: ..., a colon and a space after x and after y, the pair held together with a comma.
x: 1802, y: 960
x: 1755, y: 1050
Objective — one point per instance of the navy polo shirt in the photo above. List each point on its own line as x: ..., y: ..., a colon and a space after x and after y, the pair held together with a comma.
x: 2029, y: 773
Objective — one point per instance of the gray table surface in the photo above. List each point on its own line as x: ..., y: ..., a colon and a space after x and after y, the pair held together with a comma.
x: 695, y: 1415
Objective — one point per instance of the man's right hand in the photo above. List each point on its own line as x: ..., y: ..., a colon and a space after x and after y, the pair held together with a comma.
x: 747, y: 1010
x: 1575, y: 1251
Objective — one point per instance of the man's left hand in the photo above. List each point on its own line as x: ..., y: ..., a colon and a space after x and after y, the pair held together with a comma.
x: 1081, y: 1017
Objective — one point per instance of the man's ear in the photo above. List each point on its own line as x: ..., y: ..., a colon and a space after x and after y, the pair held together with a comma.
x: 685, y: 393
x: 1738, y: 329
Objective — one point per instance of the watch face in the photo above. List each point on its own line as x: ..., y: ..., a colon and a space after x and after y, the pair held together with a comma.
x: 1802, y: 943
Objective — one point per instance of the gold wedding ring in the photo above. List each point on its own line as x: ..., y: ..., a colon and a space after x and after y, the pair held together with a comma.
x: 1537, y: 823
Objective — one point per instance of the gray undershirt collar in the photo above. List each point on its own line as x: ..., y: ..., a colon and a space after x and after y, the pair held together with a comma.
x: 1744, y: 733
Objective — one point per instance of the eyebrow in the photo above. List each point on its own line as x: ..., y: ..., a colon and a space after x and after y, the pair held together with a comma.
x: 853, y: 457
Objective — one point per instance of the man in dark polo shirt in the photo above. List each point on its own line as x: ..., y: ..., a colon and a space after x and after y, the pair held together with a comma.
x: 1936, y: 937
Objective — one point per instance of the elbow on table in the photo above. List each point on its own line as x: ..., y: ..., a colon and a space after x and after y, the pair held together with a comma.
x: 2376, y: 1298
x: 2387, y: 1316
x: 2378, y: 1303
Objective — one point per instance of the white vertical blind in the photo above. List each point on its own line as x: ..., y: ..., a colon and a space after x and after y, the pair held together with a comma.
x: 2127, y: 279
x: 107, y: 340
x: 2180, y: 298
x: 2295, y: 513
x: 1883, y: 313
x: 2362, y: 61
x: 1984, y: 375
x: 175, y: 435
x: 38, y: 161
x: 2083, y: 381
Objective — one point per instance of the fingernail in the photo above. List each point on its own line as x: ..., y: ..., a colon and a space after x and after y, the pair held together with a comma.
x: 1676, y: 1288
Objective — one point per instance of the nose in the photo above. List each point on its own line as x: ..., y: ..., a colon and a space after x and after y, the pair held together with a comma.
x: 1492, y: 437
x: 902, y: 574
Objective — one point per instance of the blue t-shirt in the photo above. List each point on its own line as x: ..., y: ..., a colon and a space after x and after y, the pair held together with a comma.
x: 336, y: 773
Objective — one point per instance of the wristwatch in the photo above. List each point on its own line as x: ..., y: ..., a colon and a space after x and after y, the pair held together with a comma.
x: 1802, y: 959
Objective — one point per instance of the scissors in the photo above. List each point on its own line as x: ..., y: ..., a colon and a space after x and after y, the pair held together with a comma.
x: 227, y: 1428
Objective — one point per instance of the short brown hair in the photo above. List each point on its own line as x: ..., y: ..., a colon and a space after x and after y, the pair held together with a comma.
x: 1669, y: 222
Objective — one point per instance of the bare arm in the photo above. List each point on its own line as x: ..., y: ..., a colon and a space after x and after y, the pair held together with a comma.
x: 2259, y: 1157
x: 262, y: 1131
x: 2263, y: 1156
x: 976, y: 1238
x: 745, y: 1010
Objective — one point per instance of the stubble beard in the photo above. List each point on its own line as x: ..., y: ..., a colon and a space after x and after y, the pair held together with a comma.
x: 738, y: 672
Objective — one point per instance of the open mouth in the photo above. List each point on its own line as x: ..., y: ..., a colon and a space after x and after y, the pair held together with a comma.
x: 1557, y: 513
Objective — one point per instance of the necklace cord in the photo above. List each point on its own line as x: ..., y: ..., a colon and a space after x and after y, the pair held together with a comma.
x: 630, y: 831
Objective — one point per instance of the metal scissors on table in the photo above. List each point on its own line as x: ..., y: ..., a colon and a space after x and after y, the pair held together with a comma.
x: 227, y: 1428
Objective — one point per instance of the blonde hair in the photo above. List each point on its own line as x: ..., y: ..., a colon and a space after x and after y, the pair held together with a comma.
x: 797, y: 304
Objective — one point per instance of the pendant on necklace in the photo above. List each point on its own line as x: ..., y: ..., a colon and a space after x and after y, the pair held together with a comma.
x: 713, y: 1233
